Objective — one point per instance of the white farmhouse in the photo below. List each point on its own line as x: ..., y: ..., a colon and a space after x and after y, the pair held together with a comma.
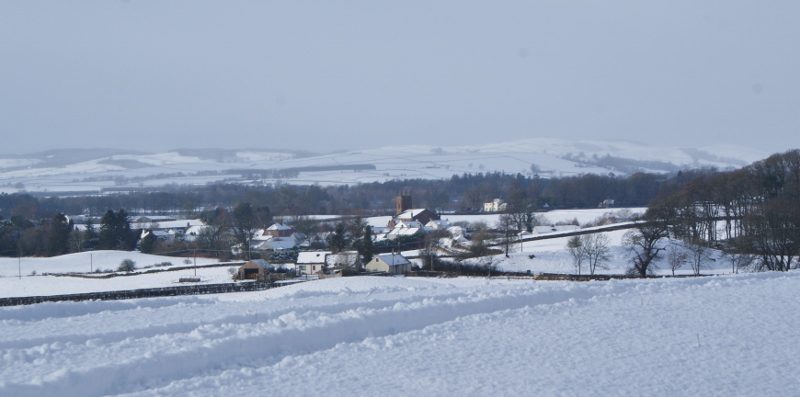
x: 311, y: 262
x: 389, y: 263
x: 496, y: 205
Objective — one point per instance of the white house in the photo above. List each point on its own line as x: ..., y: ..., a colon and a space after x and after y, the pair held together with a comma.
x: 311, y: 262
x: 496, y: 205
x: 389, y: 263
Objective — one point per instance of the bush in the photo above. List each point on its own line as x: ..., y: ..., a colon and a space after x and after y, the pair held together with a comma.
x: 127, y: 265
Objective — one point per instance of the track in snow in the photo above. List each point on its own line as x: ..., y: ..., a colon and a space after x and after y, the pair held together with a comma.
x: 158, y: 346
x: 117, y: 351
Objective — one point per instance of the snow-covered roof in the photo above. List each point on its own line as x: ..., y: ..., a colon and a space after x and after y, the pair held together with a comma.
x: 309, y: 257
x: 403, y: 231
x: 275, y: 244
x: 258, y: 262
x: 456, y: 230
x: 436, y: 225
x: 261, y: 235
x: 195, y: 229
x: 405, y: 223
x: 279, y: 226
x: 410, y: 213
x: 394, y: 259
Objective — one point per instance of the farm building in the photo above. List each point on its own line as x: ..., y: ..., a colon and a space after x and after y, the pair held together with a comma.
x: 389, y: 263
x: 256, y: 269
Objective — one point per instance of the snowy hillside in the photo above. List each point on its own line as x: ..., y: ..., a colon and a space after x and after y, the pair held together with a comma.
x: 85, y: 262
x: 716, y: 336
x: 552, y: 256
x: 90, y: 170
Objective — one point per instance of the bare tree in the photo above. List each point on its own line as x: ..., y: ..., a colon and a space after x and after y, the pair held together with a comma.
x: 595, y: 250
x: 575, y: 248
x: 699, y: 253
x: 506, y: 226
x: 245, y: 224
x: 676, y: 257
x: 643, y: 244
x: 739, y: 259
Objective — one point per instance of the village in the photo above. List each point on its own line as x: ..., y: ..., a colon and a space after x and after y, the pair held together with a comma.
x: 172, y: 251
x: 406, y: 242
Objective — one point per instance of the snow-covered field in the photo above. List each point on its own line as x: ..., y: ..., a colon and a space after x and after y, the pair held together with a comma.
x: 53, y: 285
x: 713, y: 336
x: 85, y: 262
x: 96, y: 170
x: 551, y: 256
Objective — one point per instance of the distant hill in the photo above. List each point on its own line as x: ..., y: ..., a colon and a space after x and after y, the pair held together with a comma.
x: 97, y: 170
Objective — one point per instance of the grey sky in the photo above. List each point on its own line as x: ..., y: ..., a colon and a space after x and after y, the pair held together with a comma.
x: 335, y: 74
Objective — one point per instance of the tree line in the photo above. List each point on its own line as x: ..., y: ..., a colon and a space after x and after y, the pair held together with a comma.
x: 58, y: 235
x: 751, y: 214
x: 465, y: 193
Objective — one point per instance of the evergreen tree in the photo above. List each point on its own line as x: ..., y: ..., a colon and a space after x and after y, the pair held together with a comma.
x: 115, y: 231
x: 148, y: 243
x: 90, y: 235
x: 58, y: 235
x: 245, y: 225
x: 364, y: 246
x: 337, y: 240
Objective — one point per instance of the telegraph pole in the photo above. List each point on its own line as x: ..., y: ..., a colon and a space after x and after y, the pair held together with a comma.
x: 19, y: 260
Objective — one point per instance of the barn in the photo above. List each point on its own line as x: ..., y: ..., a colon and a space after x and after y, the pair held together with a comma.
x: 256, y: 269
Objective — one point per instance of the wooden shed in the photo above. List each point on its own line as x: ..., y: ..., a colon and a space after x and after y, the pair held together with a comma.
x: 256, y: 269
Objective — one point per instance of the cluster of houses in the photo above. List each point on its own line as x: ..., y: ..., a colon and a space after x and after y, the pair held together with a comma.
x: 328, y: 263
x: 407, y: 222
x: 325, y: 264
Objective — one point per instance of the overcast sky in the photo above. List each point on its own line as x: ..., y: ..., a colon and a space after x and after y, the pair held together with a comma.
x: 327, y: 75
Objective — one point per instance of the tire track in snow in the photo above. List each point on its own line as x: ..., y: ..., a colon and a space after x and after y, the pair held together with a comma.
x: 50, y: 310
x: 162, y: 359
x: 17, y: 336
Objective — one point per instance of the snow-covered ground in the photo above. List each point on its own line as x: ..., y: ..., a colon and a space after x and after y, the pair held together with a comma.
x: 53, y: 285
x: 552, y: 256
x: 714, y: 336
x: 85, y: 262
